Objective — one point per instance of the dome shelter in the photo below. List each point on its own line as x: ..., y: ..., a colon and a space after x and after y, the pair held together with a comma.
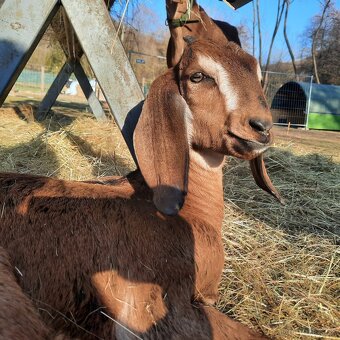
x: 290, y: 105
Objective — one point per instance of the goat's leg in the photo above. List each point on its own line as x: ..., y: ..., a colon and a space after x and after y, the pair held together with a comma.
x: 224, y: 328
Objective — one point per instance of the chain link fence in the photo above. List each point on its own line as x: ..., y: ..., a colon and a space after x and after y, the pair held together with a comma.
x: 34, y: 79
x: 288, y: 97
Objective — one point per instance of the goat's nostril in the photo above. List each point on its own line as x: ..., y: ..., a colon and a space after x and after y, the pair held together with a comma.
x: 260, y: 125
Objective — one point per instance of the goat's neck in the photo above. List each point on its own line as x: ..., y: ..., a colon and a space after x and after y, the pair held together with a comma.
x: 204, y: 200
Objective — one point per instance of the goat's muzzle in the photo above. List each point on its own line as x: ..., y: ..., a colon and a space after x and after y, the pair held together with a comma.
x: 247, y: 147
x: 262, y: 128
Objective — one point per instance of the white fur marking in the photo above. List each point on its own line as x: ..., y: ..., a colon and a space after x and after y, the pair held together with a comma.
x: 188, y: 122
x: 221, y: 76
x: 187, y: 116
x: 259, y: 72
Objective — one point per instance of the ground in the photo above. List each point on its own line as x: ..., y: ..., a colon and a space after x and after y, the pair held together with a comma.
x: 281, y: 270
x: 319, y: 141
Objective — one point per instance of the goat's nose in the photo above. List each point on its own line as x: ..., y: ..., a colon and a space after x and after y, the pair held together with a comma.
x: 260, y: 125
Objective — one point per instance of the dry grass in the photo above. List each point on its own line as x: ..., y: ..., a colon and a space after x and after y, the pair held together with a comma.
x: 62, y: 146
x: 282, y: 263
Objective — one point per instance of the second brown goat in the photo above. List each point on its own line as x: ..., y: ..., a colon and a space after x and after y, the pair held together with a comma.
x: 186, y: 17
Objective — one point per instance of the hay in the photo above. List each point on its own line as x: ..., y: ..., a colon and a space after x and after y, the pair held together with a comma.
x: 62, y: 146
x: 282, y: 262
x: 284, y: 284
x: 309, y: 183
x: 281, y: 270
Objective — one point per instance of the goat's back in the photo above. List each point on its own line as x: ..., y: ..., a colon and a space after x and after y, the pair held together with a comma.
x: 229, y: 31
x: 79, y: 244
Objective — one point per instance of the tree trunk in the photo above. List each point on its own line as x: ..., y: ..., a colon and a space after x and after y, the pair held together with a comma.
x: 315, y: 35
x: 259, y: 30
x: 254, y: 25
x: 286, y: 37
x: 280, y: 8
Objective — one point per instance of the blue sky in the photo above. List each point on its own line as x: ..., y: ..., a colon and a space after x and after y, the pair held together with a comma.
x: 301, y: 11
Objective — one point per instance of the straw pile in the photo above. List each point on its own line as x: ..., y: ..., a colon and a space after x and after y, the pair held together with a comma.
x: 281, y: 262
x: 63, y: 146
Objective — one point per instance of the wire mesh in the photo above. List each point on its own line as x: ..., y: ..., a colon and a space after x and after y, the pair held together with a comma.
x: 288, y: 97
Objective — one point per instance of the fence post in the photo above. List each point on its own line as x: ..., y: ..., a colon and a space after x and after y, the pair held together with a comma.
x: 143, y: 85
x: 42, y: 79
x: 309, y: 99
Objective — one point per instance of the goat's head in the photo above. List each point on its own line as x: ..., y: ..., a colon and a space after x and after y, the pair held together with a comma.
x: 211, y: 101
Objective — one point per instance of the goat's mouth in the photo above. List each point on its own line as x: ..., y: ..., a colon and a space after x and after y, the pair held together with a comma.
x: 245, y: 148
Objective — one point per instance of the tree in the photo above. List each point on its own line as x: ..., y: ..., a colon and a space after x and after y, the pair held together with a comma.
x: 322, y: 46
x: 288, y: 2
x: 315, y: 37
x: 279, y: 12
x: 328, y: 61
x: 259, y: 30
x: 245, y: 37
x: 254, y: 25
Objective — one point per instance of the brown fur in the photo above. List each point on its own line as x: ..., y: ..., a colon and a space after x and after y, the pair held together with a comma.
x: 18, y: 318
x: 88, y: 248
x: 219, y: 32
x: 206, y: 28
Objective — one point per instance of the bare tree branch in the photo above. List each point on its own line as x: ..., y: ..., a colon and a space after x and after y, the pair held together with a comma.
x: 280, y: 8
x: 288, y: 2
x: 254, y: 25
x: 259, y: 30
x: 315, y: 35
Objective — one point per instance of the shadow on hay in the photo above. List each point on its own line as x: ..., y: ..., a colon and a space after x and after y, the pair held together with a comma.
x: 106, y: 162
x: 70, y: 109
x: 310, y: 185
x: 42, y: 158
x: 35, y: 155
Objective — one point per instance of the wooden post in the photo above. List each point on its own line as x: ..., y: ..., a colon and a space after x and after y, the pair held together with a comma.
x: 143, y: 85
x: 42, y: 79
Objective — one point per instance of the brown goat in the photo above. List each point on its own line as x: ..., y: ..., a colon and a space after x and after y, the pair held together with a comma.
x: 98, y: 258
x: 186, y: 18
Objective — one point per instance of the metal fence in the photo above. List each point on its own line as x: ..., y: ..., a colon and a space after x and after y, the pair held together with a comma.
x: 36, y: 79
x: 288, y: 96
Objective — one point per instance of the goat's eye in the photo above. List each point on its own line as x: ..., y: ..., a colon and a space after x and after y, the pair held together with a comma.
x: 197, y: 77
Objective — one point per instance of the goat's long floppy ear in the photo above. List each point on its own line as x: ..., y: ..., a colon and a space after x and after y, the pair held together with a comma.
x: 161, y: 144
x: 262, y: 179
